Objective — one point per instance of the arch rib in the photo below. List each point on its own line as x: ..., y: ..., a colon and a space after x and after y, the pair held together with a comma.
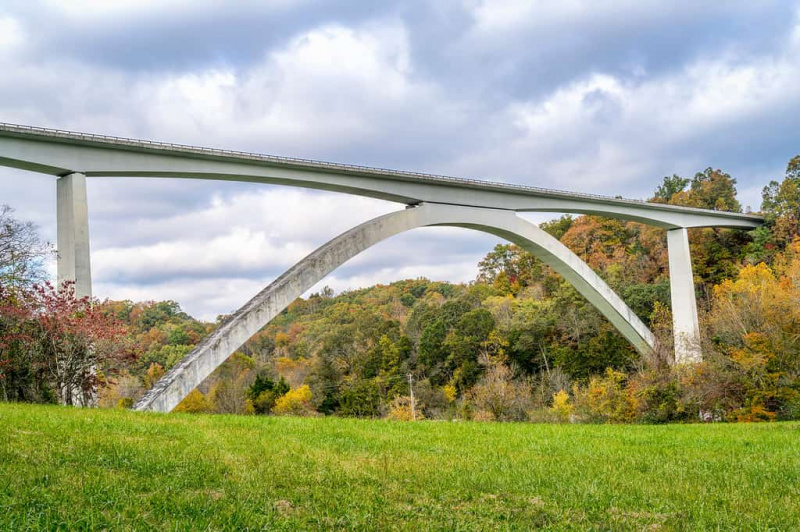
x: 244, y: 323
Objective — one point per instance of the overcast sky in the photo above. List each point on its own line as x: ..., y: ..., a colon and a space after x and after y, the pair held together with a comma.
x: 597, y: 96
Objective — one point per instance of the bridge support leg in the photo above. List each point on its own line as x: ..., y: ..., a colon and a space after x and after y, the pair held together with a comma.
x: 685, y: 326
x: 72, y: 215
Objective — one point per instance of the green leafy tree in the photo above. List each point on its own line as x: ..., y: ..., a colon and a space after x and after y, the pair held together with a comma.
x: 431, y: 344
x: 360, y: 398
x: 781, y: 207
x: 325, y: 380
x: 669, y: 188
x: 509, y: 268
x: 264, y: 392
x: 464, y: 345
x: 710, y: 189
x: 558, y: 227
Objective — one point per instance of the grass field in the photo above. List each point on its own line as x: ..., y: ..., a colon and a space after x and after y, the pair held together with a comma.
x: 89, y: 469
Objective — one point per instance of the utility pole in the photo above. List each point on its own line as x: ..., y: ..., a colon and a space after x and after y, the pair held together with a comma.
x: 411, y: 390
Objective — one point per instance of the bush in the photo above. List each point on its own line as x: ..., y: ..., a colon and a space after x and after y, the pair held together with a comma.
x: 658, y: 397
x: 605, y: 399
x: 562, y: 406
x: 296, y: 402
x: 52, y: 345
x: 264, y: 392
x: 400, y: 410
x: 498, y: 395
x: 361, y: 399
x: 195, y: 403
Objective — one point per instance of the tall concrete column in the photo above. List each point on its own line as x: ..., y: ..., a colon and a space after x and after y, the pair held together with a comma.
x: 685, y: 326
x: 72, y: 214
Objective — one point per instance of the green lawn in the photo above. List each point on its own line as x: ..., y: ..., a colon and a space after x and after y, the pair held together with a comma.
x: 88, y: 469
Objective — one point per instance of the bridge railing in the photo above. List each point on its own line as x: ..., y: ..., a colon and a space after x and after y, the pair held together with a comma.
x: 341, y: 167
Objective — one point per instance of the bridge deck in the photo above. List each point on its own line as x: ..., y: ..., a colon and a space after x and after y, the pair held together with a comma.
x: 559, y: 200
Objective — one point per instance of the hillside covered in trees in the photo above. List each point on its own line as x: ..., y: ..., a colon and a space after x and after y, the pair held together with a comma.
x: 518, y: 343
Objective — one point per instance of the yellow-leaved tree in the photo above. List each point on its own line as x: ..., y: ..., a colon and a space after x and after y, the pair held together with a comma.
x: 195, y: 403
x: 562, y: 406
x: 296, y: 402
x: 755, y: 323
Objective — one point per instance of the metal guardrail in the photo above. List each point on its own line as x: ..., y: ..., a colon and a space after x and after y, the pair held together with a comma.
x: 348, y: 168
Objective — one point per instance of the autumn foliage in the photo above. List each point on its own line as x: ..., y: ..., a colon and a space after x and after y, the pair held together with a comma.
x: 56, y: 347
x: 519, y: 343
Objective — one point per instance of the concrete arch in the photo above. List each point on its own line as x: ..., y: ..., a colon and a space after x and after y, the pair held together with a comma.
x: 268, y: 303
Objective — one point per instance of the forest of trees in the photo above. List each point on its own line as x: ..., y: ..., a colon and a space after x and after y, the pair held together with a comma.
x: 517, y: 344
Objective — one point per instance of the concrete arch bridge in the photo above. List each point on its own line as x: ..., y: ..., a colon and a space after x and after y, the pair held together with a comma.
x: 429, y: 200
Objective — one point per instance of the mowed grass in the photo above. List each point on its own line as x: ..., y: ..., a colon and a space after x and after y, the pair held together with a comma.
x: 65, y: 468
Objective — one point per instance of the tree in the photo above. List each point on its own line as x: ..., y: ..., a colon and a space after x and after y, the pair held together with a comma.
x: 669, y: 187
x: 295, y: 402
x: 499, y: 396
x: 264, y: 392
x: 22, y: 378
x: 360, y: 398
x: 605, y: 398
x: 324, y: 381
x: 714, y: 251
x: 793, y: 168
x: 403, y: 408
x: 159, y: 313
x: 559, y: 226
x: 509, y: 267
x: 760, y: 304
x: 709, y: 189
x: 22, y: 251
x: 154, y: 372
x: 65, y: 344
x: 469, y: 335
x: 781, y: 205
x: 195, y: 403
x: 431, y: 344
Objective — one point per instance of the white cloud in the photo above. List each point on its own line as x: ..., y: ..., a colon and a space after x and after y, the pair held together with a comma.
x: 120, y: 10
x: 248, y: 234
x: 604, y: 131
x: 115, y: 9
x: 239, y: 251
x: 455, y: 272
x: 494, y: 19
x: 433, y: 253
x: 278, y: 212
x: 493, y: 16
x: 203, y: 298
x: 330, y: 88
x: 11, y: 34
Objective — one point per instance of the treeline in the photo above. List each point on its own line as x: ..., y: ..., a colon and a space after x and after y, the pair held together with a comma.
x: 519, y: 343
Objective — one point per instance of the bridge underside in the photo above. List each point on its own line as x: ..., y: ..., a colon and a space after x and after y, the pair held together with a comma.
x: 432, y: 200
x: 61, y: 153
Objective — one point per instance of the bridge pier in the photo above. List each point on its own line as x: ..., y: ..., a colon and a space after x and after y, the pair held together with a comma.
x: 73, y: 262
x: 685, y: 325
x: 72, y: 214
